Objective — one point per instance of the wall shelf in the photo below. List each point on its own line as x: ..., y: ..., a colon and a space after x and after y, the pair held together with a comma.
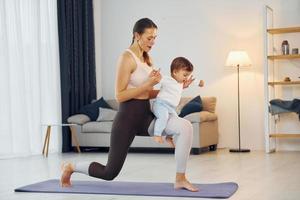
x: 284, y: 135
x: 284, y: 83
x: 280, y: 57
x: 283, y: 30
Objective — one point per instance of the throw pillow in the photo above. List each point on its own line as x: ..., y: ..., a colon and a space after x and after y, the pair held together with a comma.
x: 195, y: 105
x: 92, y: 110
x: 106, y: 114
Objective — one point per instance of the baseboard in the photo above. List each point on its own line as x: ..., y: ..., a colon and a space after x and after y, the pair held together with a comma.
x: 194, y: 151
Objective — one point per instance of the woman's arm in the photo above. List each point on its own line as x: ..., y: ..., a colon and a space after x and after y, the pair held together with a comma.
x: 153, y: 94
x: 126, y: 66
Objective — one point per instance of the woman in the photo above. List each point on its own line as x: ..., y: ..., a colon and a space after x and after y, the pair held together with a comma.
x: 134, y: 87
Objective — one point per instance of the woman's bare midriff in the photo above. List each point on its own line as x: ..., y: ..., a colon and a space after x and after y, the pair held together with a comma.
x: 143, y: 96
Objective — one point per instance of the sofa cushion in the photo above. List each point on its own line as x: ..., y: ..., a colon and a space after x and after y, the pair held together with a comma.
x: 106, y: 114
x: 113, y: 103
x: 195, y: 105
x: 78, y: 119
x: 92, y: 110
x: 183, y: 101
x: 97, y: 127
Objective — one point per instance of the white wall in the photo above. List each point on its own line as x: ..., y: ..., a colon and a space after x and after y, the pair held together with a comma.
x: 204, y: 32
x: 97, y: 27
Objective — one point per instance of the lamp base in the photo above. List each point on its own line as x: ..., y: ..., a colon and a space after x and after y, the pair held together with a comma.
x: 239, y: 150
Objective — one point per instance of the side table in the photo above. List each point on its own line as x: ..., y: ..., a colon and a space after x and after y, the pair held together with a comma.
x: 48, y: 132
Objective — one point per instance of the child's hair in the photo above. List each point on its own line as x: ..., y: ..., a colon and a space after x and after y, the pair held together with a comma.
x: 181, y: 63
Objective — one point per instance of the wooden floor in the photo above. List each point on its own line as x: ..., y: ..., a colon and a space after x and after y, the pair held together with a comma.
x: 263, y: 176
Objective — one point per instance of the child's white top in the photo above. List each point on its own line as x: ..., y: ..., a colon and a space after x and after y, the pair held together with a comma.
x: 170, y: 90
x: 141, y: 73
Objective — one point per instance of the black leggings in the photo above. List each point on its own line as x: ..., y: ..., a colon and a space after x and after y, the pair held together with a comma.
x: 133, y: 118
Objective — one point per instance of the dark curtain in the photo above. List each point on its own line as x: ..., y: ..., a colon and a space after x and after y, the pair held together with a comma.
x: 77, y: 59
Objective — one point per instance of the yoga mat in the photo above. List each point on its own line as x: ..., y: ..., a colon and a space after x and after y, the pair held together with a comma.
x: 215, y: 190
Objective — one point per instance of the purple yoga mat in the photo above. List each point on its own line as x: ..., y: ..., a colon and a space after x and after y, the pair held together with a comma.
x: 215, y: 190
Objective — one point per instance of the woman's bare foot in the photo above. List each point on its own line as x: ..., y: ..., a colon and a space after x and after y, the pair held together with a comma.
x: 183, y: 183
x: 170, y: 141
x: 67, y: 171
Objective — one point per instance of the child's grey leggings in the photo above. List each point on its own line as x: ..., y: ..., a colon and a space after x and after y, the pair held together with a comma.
x: 135, y: 118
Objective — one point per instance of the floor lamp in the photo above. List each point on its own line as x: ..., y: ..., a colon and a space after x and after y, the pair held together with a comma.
x: 238, y: 59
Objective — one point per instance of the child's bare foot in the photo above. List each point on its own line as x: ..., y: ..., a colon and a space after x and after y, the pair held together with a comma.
x: 158, y: 139
x: 185, y: 185
x: 67, y: 171
x: 170, y: 141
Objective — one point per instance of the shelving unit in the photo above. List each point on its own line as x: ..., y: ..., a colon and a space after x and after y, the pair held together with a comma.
x: 271, y: 81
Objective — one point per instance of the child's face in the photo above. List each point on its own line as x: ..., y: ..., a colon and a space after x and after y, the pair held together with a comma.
x: 181, y: 75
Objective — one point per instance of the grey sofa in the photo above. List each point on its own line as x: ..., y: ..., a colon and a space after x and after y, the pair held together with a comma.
x: 205, y: 126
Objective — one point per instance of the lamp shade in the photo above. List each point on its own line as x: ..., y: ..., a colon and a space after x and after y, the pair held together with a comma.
x: 238, y: 58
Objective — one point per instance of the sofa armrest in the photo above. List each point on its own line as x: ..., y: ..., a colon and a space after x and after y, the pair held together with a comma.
x: 209, y: 104
x: 78, y: 119
x: 193, y: 117
x: 199, y: 117
x: 206, y: 116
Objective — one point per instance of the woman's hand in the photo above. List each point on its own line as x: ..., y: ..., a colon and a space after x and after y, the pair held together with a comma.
x: 188, y: 82
x: 153, y: 79
x: 154, y: 72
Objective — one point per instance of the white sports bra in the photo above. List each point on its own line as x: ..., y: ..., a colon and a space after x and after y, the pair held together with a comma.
x: 140, y: 74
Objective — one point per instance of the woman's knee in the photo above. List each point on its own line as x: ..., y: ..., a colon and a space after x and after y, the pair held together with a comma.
x: 108, y: 173
x: 186, y: 126
x: 179, y: 126
x: 190, y: 127
x: 111, y: 174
